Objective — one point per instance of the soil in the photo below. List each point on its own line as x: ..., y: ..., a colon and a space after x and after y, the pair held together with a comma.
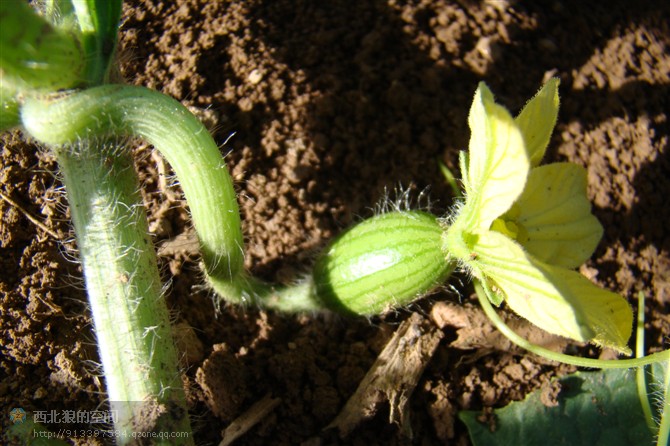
x: 323, y: 110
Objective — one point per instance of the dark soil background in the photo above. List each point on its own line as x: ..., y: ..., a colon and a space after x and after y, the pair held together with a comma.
x: 325, y: 108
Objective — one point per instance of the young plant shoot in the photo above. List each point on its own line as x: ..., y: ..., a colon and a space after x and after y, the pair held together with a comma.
x: 520, y: 231
x: 60, y: 58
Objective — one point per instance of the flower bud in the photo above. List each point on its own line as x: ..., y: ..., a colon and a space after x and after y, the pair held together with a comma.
x: 383, y: 262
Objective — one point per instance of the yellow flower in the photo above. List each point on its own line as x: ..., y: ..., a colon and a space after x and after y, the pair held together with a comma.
x: 524, y: 228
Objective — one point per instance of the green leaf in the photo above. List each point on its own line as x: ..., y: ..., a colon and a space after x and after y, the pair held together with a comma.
x: 537, y: 120
x: 34, y: 55
x: 556, y: 215
x: 99, y: 23
x: 105, y: 15
x: 33, y: 434
x: 594, y: 409
x: 498, y: 164
x: 9, y: 109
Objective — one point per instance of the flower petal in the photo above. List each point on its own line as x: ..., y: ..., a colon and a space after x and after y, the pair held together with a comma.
x: 607, y: 313
x: 556, y: 215
x: 497, y: 164
x: 537, y: 120
x: 527, y: 290
x: 555, y: 299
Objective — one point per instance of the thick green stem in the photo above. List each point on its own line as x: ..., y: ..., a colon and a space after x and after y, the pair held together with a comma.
x: 131, y: 319
x: 185, y: 143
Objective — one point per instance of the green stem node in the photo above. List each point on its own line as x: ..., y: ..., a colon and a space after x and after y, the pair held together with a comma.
x: 181, y: 138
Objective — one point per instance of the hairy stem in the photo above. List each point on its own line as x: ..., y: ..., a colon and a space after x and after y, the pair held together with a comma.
x: 130, y: 316
x: 641, y: 372
x: 185, y: 143
x: 296, y: 298
x: 664, y: 426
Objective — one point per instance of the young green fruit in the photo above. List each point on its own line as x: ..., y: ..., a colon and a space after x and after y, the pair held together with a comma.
x: 381, y: 263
